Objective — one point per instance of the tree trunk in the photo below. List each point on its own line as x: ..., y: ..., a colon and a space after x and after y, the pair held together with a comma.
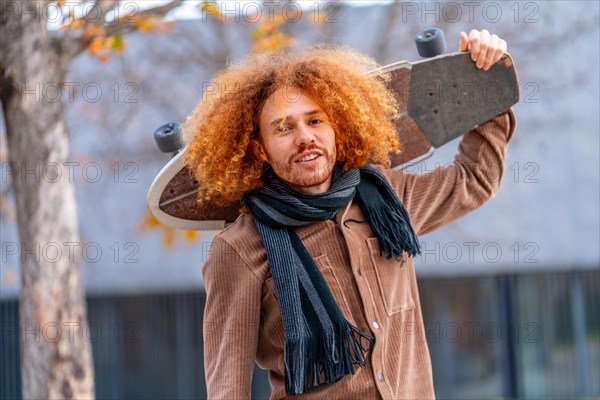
x: 56, y: 359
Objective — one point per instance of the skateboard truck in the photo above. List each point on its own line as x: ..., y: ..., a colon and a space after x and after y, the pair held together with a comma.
x: 169, y: 138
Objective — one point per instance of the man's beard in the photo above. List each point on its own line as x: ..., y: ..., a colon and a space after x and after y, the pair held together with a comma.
x: 294, y: 175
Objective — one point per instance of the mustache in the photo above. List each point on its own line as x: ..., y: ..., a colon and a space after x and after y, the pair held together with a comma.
x: 323, y: 151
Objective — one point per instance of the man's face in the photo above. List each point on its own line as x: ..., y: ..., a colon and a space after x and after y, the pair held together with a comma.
x: 297, y: 140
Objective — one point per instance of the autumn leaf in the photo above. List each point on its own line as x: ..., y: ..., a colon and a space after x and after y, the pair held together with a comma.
x: 267, y: 37
x: 257, y: 34
x: 168, y: 238
x: 190, y: 236
x: 116, y: 43
x: 146, y: 25
x: 210, y: 8
x: 169, y: 235
x: 272, y: 43
x: 149, y: 223
x: 96, y: 45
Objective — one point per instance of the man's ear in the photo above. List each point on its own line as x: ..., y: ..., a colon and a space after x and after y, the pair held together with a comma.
x: 258, y: 150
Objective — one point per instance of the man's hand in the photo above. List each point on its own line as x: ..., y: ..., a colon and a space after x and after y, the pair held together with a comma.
x: 486, y: 49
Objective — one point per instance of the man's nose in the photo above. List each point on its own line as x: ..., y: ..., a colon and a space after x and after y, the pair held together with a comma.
x: 304, y: 135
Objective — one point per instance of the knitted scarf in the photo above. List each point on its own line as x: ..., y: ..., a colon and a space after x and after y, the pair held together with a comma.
x: 321, y: 346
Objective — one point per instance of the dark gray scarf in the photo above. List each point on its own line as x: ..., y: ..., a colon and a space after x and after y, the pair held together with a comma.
x: 320, y: 345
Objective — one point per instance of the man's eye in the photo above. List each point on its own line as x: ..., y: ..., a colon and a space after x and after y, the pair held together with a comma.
x: 284, y: 128
x: 315, y: 121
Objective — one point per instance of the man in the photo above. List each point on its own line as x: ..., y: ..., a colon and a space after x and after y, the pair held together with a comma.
x: 315, y: 280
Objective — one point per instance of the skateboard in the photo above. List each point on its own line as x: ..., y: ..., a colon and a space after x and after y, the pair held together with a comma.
x: 440, y: 99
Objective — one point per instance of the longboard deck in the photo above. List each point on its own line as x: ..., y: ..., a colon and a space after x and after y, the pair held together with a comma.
x: 440, y: 99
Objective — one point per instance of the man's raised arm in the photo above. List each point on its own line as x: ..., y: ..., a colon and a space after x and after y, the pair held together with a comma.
x: 447, y: 193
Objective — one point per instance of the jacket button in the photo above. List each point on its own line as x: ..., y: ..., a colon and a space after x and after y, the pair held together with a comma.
x: 375, y: 325
x: 380, y: 377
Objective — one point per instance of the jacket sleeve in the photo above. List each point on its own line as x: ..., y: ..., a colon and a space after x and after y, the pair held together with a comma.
x: 448, y: 192
x: 231, y: 322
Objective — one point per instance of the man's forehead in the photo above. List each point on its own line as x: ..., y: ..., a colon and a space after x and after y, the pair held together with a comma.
x: 287, y: 95
x: 289, y: 102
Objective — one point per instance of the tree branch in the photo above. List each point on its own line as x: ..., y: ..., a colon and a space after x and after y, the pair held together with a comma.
x: 126, y: 26
x: 72, y: 44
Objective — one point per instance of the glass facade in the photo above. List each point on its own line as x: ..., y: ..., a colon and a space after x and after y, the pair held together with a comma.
x: 527, y: 336
x: 515, y: 335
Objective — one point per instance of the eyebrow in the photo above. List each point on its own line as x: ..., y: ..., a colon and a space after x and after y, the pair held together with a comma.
x: 277, y: 121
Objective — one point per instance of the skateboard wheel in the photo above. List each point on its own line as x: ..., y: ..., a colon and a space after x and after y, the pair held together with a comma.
x: 169, y: 137
x: 430, y: 42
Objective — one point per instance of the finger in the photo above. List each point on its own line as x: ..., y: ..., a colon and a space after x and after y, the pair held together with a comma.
x: 463, y: 44
x: 474, y: 42
x: 493, y: 51
x: 483, y: 48
x: 500, y: 51
x: 503, y: 46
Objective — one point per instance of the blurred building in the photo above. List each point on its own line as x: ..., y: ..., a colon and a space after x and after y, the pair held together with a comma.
x: 510, y: 293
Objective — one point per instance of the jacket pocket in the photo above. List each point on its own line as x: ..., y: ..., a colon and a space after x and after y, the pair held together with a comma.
x: 392, y: 279
x: 330, y: 279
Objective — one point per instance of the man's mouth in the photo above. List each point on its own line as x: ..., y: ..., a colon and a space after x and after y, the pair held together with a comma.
x: 308, y: 157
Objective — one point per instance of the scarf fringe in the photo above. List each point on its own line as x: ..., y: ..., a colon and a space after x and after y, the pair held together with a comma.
x: 310, y: 361
x: 393, y: 230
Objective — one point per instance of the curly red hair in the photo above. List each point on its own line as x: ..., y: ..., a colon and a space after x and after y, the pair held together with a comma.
x: 359, y: 105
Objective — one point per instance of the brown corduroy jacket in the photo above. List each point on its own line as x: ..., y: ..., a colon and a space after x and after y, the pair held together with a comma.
x: 242, y: 323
